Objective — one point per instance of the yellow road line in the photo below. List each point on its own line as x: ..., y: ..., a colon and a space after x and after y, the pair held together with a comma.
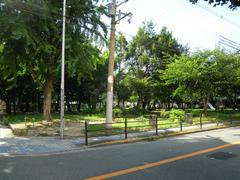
x: 162, y: 162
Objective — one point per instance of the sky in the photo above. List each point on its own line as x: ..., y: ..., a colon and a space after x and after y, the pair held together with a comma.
x: 199, y: 26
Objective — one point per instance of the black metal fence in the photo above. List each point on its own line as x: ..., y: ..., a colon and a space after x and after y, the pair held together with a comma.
x: 153, y: 125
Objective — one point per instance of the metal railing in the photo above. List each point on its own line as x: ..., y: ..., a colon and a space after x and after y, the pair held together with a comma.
x: 126, y: 127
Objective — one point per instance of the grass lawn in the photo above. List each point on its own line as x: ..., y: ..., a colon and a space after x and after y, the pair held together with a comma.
x: 18, y: 118
x: 142, y: 123
x: 216, y: 116
x: 134, y: 122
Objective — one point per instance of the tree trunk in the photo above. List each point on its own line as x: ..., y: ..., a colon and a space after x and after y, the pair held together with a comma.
x: 183, y: 106
x: 154, y: 104
x: 94, y: 106
x: 79, y: 106
x: 47, y: 101
x: 20, y: 105
x: 234, y: 101
x: 57, y: 105
x: 8, y: 106
x: 27, y: 107
x: 39, y: 103
x: 168, y: 104
x: 205, y: 106
x: 144, y: 104
x: 138, y: 103
x: 118, y: 103
x: 14, y: 103
x: 69, y: 108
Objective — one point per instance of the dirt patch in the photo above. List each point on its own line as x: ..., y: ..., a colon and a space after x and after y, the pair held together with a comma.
x: 72, y: 129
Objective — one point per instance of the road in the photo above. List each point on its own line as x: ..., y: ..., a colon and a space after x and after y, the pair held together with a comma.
x: 183, y: 157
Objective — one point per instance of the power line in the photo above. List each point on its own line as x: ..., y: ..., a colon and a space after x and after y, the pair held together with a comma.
x: 229, y: 43
x: 217, y: 15
x: 229, y: 40
x: 226, y: 44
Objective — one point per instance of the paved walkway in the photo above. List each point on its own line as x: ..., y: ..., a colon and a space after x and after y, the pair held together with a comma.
x: 37, y: 145
x: 5, y: 132
x: 11, y: 145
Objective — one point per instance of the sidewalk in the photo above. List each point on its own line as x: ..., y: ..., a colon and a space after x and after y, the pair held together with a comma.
x: 5, y: 132
x: 37, y: 145
x: 11, y: 145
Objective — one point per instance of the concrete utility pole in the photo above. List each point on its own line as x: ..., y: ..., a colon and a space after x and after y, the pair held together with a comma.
x: 110, y: 79
x: 63, y: 72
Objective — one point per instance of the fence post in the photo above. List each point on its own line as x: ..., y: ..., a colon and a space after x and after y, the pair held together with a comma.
x: 180, y: 123
x: 156, y: 125
x: 86, y: 133
x: 125, y: 128
x: 201, y: 121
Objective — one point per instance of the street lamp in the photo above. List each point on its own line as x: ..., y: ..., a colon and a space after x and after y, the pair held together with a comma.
x: 62, y: 72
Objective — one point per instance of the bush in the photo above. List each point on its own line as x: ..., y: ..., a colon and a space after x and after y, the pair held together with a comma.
x: 175, y: 114
x: 5, y: 121
x: 117, y: 112
x: 132, y: 111
x: 140, y: 118
x: 165, y: 114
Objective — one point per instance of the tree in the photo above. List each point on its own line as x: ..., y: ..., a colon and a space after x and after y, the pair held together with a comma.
x: 194, y: 76
x: 203, y: 75
x: 166, y: 46
x: 94, y: 86
x: 140, y: 60
x: 228, y: 84
x: 147, y: 54
x: 233, y: 4
x: 120, y: 69
x: 31, y: 33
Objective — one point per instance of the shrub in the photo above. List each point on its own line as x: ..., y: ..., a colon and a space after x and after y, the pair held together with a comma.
x: 175, y: 114
x: 5, y: 121
x: 140, y: 118
x: 117, y: 112
x: 132, y: 111
x: 165, y: 114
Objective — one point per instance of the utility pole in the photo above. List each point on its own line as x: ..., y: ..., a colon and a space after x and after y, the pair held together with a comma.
x: 110, y: 78
x: 62, y: 72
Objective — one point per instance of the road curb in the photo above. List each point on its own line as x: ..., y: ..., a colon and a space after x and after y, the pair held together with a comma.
x: 155, y: 137
x: 116, y: 142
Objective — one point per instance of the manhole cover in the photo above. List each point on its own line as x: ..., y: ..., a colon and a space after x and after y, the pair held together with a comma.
x: 222, y: 155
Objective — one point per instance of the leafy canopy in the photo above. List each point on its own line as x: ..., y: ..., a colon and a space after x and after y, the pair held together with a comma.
x: 233, y: 4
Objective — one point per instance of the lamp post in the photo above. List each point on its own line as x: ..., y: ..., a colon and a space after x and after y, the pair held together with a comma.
x: 62, y: 72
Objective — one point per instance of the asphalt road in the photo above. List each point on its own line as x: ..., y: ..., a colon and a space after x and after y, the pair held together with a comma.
x: 182, y: 158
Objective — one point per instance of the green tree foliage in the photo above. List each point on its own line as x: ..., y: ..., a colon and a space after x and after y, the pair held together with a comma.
x: 31, y: 32
x: 203, y: 75
x: 121, y: 90
x: 193, y: 76
x: 140, y: 62
x: 88, y: 91
x: 228, y: 84
x: 233, y: 4
x: 148, y: 54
